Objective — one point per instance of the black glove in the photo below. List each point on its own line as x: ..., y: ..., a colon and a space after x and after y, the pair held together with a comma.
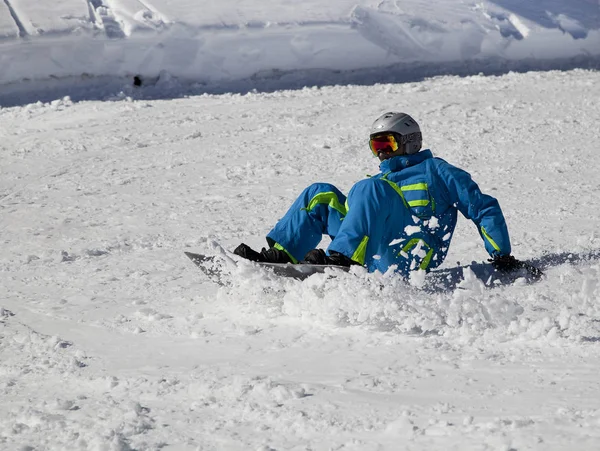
x: 319, y: 257
x: 506, y: 263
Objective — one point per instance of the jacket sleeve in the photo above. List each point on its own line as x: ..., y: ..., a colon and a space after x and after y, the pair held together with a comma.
x: 480, y: 208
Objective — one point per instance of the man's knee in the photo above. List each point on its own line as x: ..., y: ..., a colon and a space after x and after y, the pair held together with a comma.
x: 324, y: 194
x: 321, y: 187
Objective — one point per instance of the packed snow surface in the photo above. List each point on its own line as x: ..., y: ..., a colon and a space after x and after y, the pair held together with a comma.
x: 215, y: 42
x: 111, y: 339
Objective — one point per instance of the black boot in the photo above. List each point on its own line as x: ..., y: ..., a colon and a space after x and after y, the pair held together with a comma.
x: 248, y: 253
x: 335, y: 258
x: 270, y: 255
x: 319, y: 257
x: 315, y: 257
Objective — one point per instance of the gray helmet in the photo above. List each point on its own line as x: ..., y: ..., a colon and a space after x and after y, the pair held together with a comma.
x: 401, y: 124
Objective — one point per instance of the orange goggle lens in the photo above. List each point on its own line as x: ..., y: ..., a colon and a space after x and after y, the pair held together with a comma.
x: 383, y: 143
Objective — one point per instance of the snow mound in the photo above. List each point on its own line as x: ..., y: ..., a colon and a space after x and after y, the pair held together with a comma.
x: 388, y: 303
x: 231, y: 41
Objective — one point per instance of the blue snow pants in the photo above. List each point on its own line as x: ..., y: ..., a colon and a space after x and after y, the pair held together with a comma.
x: 322, y: 209
x: 318, y: 211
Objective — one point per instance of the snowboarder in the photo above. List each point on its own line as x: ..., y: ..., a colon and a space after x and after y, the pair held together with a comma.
x: 404, y: 217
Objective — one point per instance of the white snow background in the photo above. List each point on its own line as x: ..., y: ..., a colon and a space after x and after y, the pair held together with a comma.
x: 111, y: 339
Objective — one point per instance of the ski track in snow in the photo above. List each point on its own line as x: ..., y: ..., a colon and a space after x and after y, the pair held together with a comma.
x: 111, y: 339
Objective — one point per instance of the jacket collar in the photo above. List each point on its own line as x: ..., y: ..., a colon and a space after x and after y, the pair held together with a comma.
x: 400, y: 162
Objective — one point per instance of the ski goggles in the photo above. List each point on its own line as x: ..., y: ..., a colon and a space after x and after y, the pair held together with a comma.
x: 383, y: 143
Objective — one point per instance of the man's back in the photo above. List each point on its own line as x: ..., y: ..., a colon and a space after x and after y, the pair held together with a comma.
x: 421, y: 196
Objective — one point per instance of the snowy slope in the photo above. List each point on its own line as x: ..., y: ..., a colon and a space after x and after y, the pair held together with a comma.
x: 212, y: 42
x: 110, y: 339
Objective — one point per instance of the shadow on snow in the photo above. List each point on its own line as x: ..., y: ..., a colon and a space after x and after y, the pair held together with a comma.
x: 449, y: 279
x: 166, y: 87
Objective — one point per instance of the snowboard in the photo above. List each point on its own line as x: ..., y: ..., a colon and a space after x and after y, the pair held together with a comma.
x: 210, y: 266
x: 437, y: 280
